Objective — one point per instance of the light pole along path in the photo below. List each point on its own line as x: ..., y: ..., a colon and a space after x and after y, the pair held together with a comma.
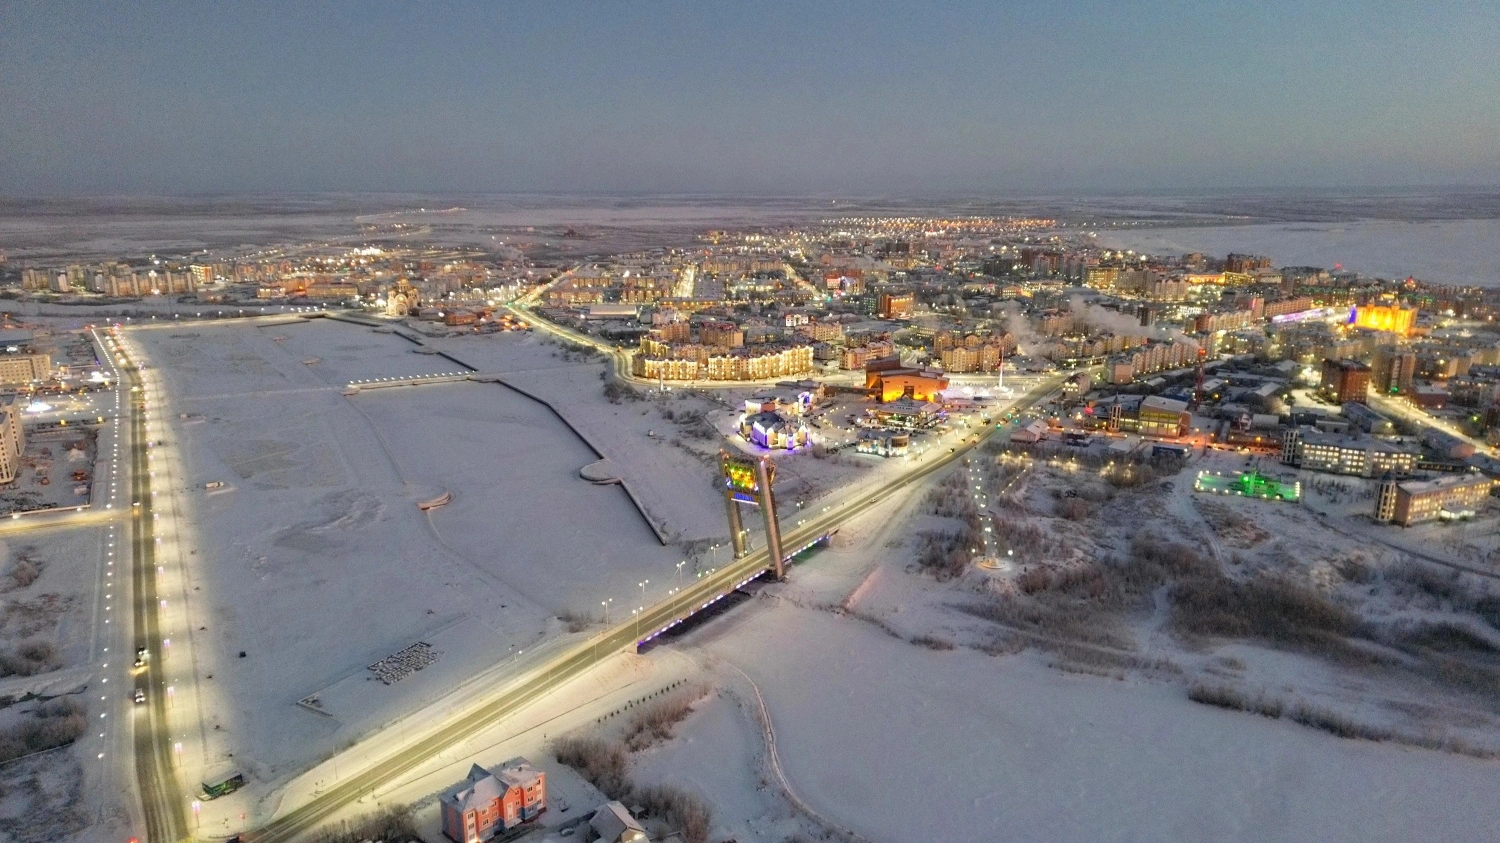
x: 161, y: 795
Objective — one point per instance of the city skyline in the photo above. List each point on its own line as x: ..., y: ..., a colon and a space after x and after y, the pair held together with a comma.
x: 169, y: 98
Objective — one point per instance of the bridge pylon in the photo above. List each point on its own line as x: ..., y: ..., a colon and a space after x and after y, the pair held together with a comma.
x: 748, y: 480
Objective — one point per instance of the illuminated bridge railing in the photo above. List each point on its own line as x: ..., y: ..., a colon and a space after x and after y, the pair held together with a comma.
x: 694, y: 610
x: 407, y: 380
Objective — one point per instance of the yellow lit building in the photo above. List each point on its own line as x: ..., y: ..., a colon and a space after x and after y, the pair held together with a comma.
x: 1380, y: 317
x: 1446, y: 498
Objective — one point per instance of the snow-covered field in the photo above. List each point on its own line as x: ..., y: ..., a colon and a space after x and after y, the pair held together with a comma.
x: 1441, y: 252
x: 521, y: 514
x: 316, y: 561
x: 673, y: 483
x: 901, y: 742
x: 58, y: 605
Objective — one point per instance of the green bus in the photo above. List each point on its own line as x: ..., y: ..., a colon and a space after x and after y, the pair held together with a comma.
x: 223, y: 787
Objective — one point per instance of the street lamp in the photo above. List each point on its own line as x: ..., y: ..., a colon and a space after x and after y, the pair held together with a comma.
x: 636, y: 613
x: 643, y: 584
x: 679, y: 571
x: 605, y: 604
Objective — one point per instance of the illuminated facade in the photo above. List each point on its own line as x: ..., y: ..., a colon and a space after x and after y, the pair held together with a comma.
x: 894, y: 305
x: 694, y: 361
x: 1446, y: 498
x: 773, y: 431
x: 402, y: 299
x: 883, y: 443
x: 1163, y: 417
x: 748, y: 365
x: 748, y: 480
x: 1380, y: 317
x: 888, y: 380
x: 906, y: 414
x: 1314, y: 450
x: 666, y: 369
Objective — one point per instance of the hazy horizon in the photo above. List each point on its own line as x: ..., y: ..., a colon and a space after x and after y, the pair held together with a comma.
x: 173, y: 99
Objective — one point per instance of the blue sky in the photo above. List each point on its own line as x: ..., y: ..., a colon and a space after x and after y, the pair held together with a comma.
x: 854, y: 98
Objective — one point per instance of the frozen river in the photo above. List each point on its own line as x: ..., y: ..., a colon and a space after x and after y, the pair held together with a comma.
x: 1441, y: 252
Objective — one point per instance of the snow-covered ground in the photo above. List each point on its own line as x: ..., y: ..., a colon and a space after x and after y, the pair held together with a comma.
x: 59, y: 605
x: 315, y: 561
x: 1442, y: 252
x: 674, y: 483
x: 601, y: 696
x: 901, y: 742
x: 719, y: 755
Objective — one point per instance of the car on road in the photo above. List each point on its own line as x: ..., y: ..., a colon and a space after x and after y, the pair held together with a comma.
x: 140, y: 696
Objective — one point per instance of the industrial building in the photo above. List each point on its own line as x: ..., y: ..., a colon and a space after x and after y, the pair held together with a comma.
x: 1446, y: 498
x: 488, y: 803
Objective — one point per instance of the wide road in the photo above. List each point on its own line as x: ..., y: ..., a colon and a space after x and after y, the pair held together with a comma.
x: 161, y: 795
x: 580, y: 658
x: 1402, y: 408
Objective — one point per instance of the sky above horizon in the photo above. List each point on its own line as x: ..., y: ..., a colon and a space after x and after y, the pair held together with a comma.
x: 776, y: 97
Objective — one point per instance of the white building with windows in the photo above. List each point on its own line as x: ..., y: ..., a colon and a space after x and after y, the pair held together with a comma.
x: 12, y: 440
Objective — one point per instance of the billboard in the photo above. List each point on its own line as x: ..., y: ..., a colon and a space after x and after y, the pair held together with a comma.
x: 739, y: 477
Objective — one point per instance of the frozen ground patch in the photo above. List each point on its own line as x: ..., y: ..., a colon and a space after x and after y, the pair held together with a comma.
x: 318, y: 562
x: 1008, y: 749
x: 345, y: 352
x: 1442, y: 252
x: 717, y: 754
x: 521, y: 513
